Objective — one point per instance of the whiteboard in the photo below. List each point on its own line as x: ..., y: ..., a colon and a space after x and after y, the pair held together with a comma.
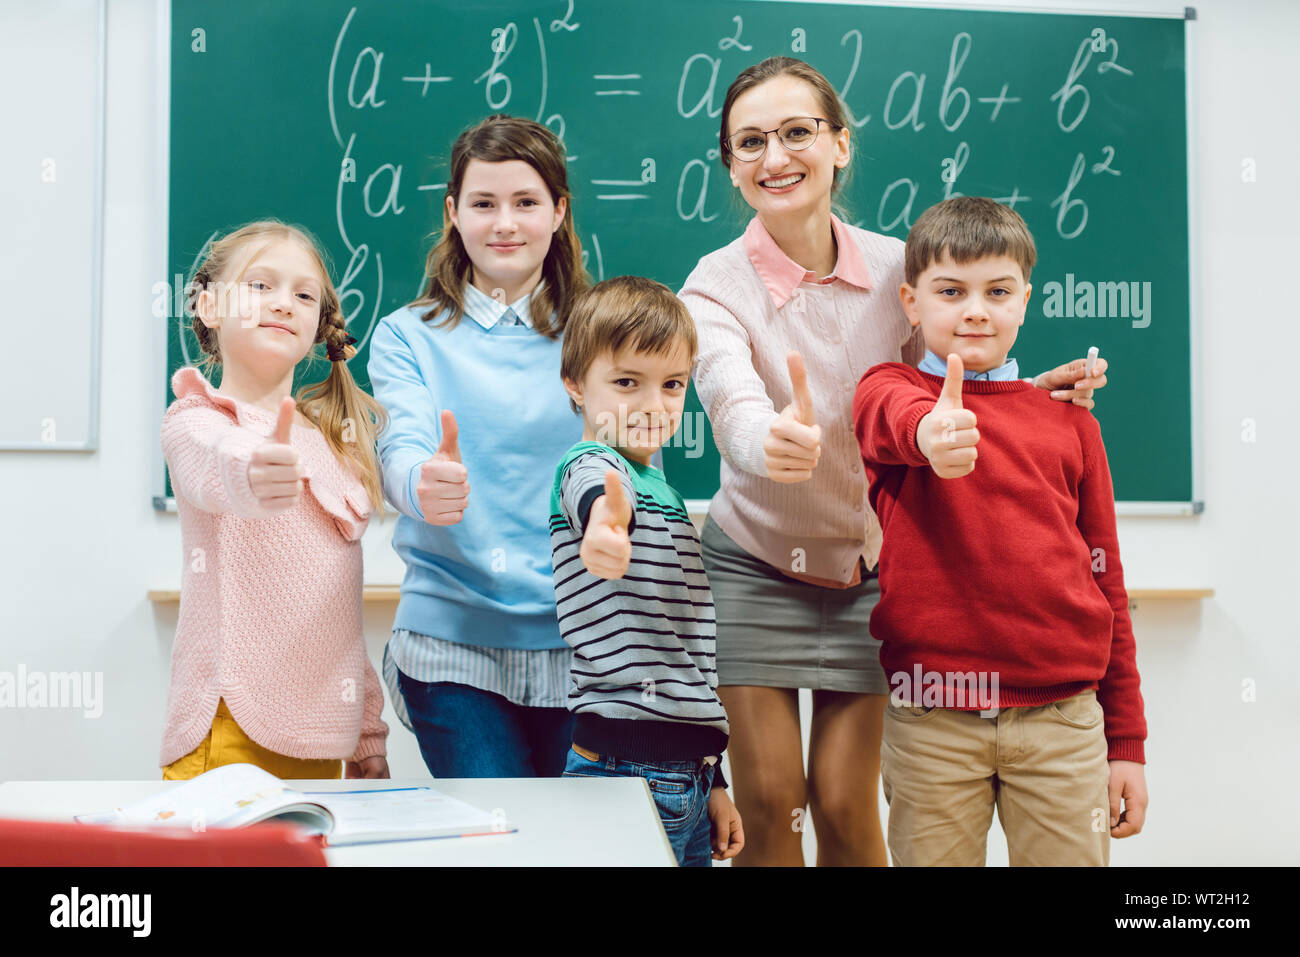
x: 51, y: 216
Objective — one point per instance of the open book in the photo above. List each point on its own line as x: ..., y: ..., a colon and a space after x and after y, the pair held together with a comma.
x: 237, y: 795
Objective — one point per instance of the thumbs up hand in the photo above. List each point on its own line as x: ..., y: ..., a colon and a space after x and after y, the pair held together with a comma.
x: 947, y: 435
x: 443, y: 489
x: 274, y: 474
x: 793, y: 443
x: 606, y: 548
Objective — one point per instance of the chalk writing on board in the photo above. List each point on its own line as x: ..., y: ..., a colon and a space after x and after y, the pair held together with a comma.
x: 426, y: 79
x: 1014, y: 198
x: 376, y: 61
x: 623, y: 79
x: 914, y: 114
x: 587, y: 249
x: 727, y: 43
x: 338, y: 43
x: 503, y: 44
x: 1066, y: 203
x: 952, y: 167
x: 956, y: 60
x: 998, y: 100
x: 563, y: 23
x: 1073, y: 91
x: 647, y: 177
x: 853, y: 72
x: 905, y: 214
x: 705, y: 167
x: 353, y: 299
x: 1104, y: 166
x: 705, y: 102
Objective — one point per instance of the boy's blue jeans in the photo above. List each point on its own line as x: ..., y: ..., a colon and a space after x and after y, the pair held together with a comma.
x: 681, y: 793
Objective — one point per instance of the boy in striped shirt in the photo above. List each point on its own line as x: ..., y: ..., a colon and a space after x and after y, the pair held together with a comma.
x: 630, y: 589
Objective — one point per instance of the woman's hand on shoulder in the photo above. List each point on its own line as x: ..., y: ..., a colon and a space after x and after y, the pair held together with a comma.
x: 1069, y: 383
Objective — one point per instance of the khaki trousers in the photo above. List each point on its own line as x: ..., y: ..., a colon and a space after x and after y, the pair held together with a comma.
x: 1044, y: 768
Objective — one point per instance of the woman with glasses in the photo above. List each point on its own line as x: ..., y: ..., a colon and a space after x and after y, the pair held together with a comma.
x: 789, y: 316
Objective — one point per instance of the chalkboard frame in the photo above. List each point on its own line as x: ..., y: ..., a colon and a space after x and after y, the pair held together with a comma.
x: 98, y: 106
x: 699, y: 507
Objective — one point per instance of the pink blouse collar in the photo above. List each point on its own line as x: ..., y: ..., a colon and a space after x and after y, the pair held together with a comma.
x: 781, y: 275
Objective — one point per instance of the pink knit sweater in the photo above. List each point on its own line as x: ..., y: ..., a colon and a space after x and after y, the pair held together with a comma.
x: 752, y: 305
x: 270, y: 615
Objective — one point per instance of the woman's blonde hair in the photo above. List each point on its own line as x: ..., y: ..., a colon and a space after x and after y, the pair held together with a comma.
x: 498, y: 139
x: 347, y: 417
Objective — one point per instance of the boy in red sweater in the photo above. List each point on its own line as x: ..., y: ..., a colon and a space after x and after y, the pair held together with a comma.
x: 1003, y: 616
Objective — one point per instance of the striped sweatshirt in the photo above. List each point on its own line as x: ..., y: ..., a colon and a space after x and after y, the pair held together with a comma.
x: 644, y: 685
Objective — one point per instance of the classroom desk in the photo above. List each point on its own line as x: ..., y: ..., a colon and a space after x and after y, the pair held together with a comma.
x: 591, y: 822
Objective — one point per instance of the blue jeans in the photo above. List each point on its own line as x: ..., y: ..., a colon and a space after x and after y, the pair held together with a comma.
x: 468, y: 733
x: 681, y: 793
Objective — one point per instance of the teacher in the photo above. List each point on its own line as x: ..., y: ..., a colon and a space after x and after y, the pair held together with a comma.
x: 789, y: 316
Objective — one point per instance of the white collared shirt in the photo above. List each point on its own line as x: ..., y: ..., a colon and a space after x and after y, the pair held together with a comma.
x: 487, y: 312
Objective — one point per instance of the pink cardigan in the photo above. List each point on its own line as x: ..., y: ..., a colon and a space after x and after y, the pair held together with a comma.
x: 752, y: 305
x: 270, y: 615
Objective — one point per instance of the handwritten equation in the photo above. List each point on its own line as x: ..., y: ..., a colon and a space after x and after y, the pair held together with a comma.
x: 639, y: 122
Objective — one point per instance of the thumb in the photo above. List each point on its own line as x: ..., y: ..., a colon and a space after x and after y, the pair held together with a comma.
x: 616, y: 504
x: 950, y: 397
x: 282, y: 424
x: 799, y: 382
x: 450, y: 445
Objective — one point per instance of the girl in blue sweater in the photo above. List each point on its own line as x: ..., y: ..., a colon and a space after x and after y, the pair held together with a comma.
x: 476, y: 666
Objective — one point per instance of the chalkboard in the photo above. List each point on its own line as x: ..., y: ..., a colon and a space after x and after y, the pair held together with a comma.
x: 340, y: 114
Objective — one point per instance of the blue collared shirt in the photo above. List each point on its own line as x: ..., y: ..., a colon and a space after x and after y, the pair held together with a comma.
x: 934, y: 365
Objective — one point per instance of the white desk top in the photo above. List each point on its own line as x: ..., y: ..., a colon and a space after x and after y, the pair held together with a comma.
x: 598, y: 822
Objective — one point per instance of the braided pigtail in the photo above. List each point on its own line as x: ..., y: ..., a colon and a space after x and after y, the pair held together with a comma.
x: 349, y: 419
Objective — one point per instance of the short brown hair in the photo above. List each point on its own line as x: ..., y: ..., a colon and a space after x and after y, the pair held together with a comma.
x: 968, y: 228
x: 498, y: 139
x: 770, y: 69
x: 623, y: 311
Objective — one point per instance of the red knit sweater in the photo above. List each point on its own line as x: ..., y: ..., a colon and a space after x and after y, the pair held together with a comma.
x: 1013, y: 569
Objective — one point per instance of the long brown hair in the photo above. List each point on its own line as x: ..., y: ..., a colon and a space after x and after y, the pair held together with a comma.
x: 770, y: 69
x: 497, y: 139
x: 347, y: 417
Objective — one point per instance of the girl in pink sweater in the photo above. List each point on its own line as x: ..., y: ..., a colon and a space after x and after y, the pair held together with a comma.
x: 269, y: 664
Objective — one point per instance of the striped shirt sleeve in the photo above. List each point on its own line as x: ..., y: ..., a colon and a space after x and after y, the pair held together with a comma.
x: 584, y: 482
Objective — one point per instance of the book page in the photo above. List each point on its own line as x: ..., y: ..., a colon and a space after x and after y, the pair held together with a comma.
x: 229, y: 796
x: 395, y: 814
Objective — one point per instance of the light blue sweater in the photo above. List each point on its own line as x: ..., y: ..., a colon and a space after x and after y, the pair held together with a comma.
x: 486, y: 580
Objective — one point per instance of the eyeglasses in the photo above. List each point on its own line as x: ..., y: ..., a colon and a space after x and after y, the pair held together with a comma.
x: 795, y: 134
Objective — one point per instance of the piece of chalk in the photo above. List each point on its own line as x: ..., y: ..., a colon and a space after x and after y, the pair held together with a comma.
x: 1092, y: 358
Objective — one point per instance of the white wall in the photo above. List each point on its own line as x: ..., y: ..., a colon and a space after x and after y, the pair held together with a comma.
x: 82, y: 544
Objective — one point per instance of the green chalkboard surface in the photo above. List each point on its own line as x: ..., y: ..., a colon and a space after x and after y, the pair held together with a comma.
x: 340, y: 114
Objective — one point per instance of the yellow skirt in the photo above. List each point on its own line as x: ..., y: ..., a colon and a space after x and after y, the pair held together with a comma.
x: 226, y: 743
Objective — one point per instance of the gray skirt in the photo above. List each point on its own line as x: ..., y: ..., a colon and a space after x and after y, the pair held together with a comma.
x: 778, y: 632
